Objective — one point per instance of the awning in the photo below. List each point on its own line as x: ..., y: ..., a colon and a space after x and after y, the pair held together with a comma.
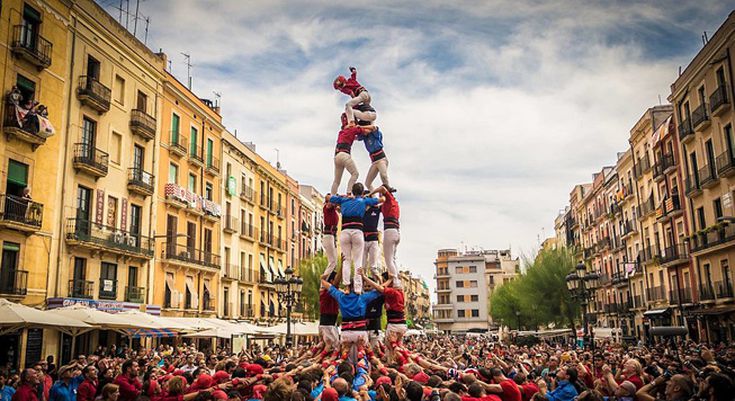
x: 657, y: 312
x: 15, y: 316
x: 714, y: 311
x: 155, y: 333
x: 281, y: 272
x: 170, y: 282
x: 271, y: 268
x: 206, y: 288
x: 194, y: 294
x: 99, y: 318
x: 263, y: 270
x: 297, y: 329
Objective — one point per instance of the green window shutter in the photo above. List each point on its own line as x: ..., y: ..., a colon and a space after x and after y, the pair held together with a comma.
x: 11, y: 246
x: 18, y: 173
x: 175, y: 128
x: 210, y: 150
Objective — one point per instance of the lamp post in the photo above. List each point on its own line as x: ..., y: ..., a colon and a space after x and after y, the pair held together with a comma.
x: 289, y: 291
x: 582, y: 285
x: 518, y: 316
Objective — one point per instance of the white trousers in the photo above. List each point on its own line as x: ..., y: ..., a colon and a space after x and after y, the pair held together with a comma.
x: 378, y: 166
x: 330, y: 249
x: 365, y: 115
x: 363, y: 97
x: 342, y: 161
x: 370, y: 258
x: 353, y: 243
x: 391, y: 238
x: 330, y: 336
x: 358, y: 337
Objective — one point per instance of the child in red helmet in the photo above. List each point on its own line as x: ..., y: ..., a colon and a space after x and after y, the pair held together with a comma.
x: 358, y: 96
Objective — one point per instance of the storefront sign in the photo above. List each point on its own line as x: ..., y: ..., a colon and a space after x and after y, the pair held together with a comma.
x: 192, y: 200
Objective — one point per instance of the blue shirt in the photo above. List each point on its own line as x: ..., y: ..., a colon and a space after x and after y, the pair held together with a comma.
x: 353, y: 207
x: 6, y: 394
x: 373, y: 140
x: 61, y: 391
x: 565, y: 391
x: 352, y: 306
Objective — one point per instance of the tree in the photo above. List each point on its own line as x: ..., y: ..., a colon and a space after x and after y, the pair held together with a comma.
x: 540, y: 295
x: 311, y: 271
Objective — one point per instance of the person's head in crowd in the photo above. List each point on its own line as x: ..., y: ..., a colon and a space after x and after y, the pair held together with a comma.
x: 625, y: 389
x: 458, y: 388
x: 279, y: 390
x: 330, y: 394
x: 341, y: 386
x: 476, y: 390
x: 175, y: 385
x: 451, y: 396
x: 519, y: 378
x: 497, y: 375
x: 717, y: 387
x: 130, y: 368
x: 110, y: 392
x: 90, y: 372
x: 679, y: 387
x: 632, y: 367
x: 414, y: 391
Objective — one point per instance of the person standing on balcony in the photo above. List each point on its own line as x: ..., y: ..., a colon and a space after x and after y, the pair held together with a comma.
x: 357, y: 93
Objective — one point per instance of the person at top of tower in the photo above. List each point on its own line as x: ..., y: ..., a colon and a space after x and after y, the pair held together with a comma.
x: 342, y: 154
x: 357, y: 93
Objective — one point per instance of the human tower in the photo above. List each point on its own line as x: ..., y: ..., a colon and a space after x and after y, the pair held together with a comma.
x: 365, y: 291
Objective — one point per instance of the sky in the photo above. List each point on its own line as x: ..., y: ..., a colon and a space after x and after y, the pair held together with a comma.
x: 491, y: 111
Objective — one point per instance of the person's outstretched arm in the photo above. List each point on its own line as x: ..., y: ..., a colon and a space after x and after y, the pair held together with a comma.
x: 366, y: 279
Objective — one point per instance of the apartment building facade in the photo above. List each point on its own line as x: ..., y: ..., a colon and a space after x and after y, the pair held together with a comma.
x: 317, y: 221
x: 465, y: 281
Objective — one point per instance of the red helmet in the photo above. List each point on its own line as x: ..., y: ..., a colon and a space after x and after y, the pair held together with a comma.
x: 339, y: 82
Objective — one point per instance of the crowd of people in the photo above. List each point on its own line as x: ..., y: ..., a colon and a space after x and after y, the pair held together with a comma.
x: 439, y: 368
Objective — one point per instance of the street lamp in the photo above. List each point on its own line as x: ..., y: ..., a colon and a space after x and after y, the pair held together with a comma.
x: 518, y: 316
x: 289, y: 290
x: 582, y: 286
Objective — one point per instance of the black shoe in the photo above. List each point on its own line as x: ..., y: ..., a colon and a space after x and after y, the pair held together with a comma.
x: 392, y: 190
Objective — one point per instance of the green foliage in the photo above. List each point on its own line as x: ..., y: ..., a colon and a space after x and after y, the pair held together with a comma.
x: 311, y: 271
x: 540, y: 295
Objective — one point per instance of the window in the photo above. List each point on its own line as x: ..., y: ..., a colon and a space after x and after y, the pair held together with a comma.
x: 108, y: 280
x: 173, y: 173
x: 17, y: 181
x: 475, y: 313
x: 193, y: 141
x: 10, y: 259
x: 142, y: 102
x: 460, y: 298
x: 192, y: 183
x: 460, y: 313
x: 135, y: 218
x: 175, y: 122
x: 460, y: 284
x: 208, y: 192
x: 473, y: 269
x: 119, y: 89
x: 717, y: 205
x: 492, y: 279
x: 210, y: 152
x: 474, y: 298
x: 115, y: 147
x: 473, y: 284
x: 93, y: 69
x: 700, y: 218
x: 31, y: 25
x: 459, y: 269
x: 132, y: 276
x: 228, y: 170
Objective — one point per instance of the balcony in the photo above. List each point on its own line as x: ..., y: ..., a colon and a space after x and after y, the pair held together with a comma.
x: 619, y: 279
x: 189, y: 256
x: 16, y: 124
x: 108, y: 289
x: 707, y: 176
x: 140, y: 182
x: 725, y: 164
x: 20, y: 214
x: 135, y: 294
x: 604, y: 243
x: 208, y: 304
x: 657, y: 293
x: 212, y: 165
x: 195, y: 155
x: 231, y: 224
x: 443, y: 289
x: 670, y: 207
x: 100, y: 238
x: 13, y: 282
x: 81, y: 288
x: 143, y: 124
x: 724, y: 289
x: 685, y: 131
x: 700, y: 118
x: 93, y: 94
x: 90, y: 160
x: 248, y: 231
x: 718, y: 100
x: 674, y: 255
x: 693, y: 188
x: 664, y: 164
x: 177, y: 144
x: 280, y: 212
x: 247, y: 312
x: 249, y: 276
x: 627, y: 229
x: 230, y: 271
x: 712, y: 238
x: 648, y: 207
x: 27, y: 44
x: 642, y: 166
x: 247, y: 194
x: 266, y: 238
x: 638, y: 302
x: 706, y: 292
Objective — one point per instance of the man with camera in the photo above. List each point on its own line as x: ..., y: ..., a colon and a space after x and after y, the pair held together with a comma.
x: 678, y: 388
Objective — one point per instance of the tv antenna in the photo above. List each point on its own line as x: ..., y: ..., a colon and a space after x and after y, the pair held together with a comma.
x: 188, y: 68
x: 217, y: 98
x: 278, y: 158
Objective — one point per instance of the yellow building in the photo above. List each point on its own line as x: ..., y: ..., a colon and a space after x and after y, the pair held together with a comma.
x: 255, y: 206
x: 189, y: 214
x: 35, y: 61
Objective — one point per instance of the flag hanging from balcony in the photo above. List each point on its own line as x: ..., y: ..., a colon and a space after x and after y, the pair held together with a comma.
x: 660, y: 131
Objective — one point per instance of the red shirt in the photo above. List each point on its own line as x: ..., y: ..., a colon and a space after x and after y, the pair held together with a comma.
x: 488, y: 397
x: 331, y: 218
x: 129, y: 388
x: 394, y: 299
x: 511, y: 392
x: 25, y: 392
x: 87, y: 390
x: 347, y: 135
x: 327, y: 304
x: 528, y: 389
x: 351, y: 85
x: 390, y: 207
x: 635, y: 379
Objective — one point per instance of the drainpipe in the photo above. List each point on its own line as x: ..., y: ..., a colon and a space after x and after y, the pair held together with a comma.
x: 57, y: 289
x: 152, y: 213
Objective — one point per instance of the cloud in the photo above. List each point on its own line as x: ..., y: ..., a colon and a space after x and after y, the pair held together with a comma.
x: 491, y: 110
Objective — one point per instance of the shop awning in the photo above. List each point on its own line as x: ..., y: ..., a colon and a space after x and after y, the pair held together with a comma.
x: 194, y: 293
x: 281, y: 272
x: 156, y: 322
x: 272, y: 268
x: 100, y: 319
x: 15, y: 316
x: 297, y: 329
x: 714, y: 311
x: 656, y: 312
x: 155, y: 333
x: 263, y: 270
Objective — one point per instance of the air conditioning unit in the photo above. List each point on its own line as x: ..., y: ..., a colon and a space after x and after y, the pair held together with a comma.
x: 185, y: 254
x: 131, y: 240
x: 118, y: 237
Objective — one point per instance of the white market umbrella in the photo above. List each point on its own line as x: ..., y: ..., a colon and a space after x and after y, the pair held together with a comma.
x: 297, y: 329
x: 15, y: 316
x: 219, y: 332
x: 156, y: 322
x: 101, y: 319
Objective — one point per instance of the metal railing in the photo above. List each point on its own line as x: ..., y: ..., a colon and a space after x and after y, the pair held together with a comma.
x: 135, y: 294
x: 700, y: 115
x: 92, y: 88
x: 656, y: 293
x: 195, y: 153
x: 137, y: 176
x: 248, y: 230
x: 673, y: 253
x: 108, y: 289
x: 714, y: 236
x: 724, y: 289
x: 692, y: 184
x: 643, y: 165
x: 20, y: 210
x: 27, y: 39
x: 725, y: 162
x: 87, y: 154
x: 213, y: 164
x: 706, y: 292
x: 685, y: 129
x: 188, y: 254
x: 249, y: 275
x: 81, y: 288
x: 86, y: 231
x: 13, y: 281
x: 231, y: 271
x: 177, y: 142
x: 718, y: 98
x: 231, y: 223
x: 666, y: 161
x: 647, y: 207
x: 143, y: 122
x: 707, y: 175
